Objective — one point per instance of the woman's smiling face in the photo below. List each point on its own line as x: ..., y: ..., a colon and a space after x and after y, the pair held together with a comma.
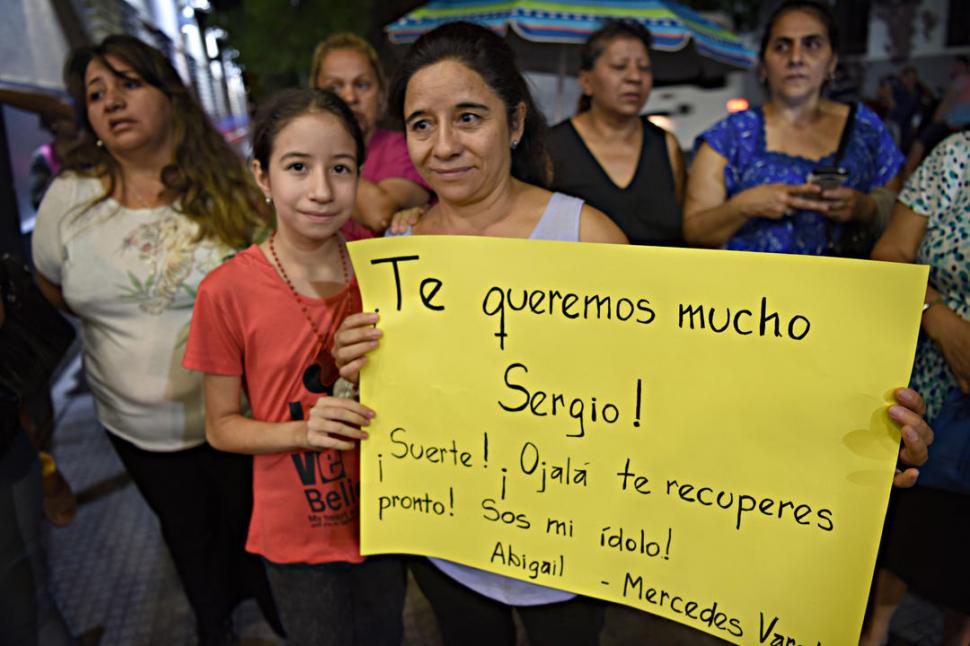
x: 458, y: 132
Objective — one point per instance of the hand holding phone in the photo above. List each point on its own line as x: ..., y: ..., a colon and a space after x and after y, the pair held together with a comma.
x: 842, y: 203
x: 828, y: 177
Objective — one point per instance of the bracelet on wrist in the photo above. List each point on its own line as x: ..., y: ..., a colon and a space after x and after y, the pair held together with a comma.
x: 939, y: 300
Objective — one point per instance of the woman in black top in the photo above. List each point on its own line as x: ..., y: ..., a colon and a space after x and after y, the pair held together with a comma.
x: 610, y: 156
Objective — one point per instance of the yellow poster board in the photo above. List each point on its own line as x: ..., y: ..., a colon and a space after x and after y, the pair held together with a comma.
x: 698, y: 434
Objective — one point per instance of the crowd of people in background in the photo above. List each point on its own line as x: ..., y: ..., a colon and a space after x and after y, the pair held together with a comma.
x: 917, y: 116
x: 221, y: 322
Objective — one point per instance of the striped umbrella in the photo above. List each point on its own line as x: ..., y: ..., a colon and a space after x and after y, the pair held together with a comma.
x: 686, y: 45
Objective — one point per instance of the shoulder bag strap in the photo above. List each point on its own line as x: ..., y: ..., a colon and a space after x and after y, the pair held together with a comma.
x: 846, y: 134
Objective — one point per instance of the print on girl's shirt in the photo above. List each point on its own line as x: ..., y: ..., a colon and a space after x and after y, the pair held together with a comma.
x: 320, y: 376
x: 332, y: 498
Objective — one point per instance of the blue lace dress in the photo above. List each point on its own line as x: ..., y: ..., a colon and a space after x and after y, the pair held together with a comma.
x: 871, y: 158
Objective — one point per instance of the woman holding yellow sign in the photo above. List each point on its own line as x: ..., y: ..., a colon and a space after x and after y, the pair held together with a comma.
x: 474, y: 134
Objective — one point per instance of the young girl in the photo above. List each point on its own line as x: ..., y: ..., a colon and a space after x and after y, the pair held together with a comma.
x: 263, y: 325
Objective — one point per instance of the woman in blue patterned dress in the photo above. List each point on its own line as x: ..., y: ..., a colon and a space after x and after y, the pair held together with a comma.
x: 928, y: 527
x: 748, y: 186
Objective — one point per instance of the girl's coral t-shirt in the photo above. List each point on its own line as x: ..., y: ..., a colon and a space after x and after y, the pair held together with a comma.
x: 248, y: 323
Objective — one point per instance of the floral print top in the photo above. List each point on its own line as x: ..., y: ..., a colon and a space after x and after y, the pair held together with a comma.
x: 130, y: 275
x: 940, y: 191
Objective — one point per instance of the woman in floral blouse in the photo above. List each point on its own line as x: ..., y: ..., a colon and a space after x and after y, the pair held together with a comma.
x: 153, y: 198
x: 928, y: 527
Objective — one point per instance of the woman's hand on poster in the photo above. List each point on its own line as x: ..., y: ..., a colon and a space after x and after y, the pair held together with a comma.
x: 916, y: 435
x: 354, y: 339
x: 335, y: 422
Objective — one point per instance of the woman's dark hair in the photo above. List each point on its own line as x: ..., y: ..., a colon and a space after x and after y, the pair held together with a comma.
x: 818, y: 9
x: 600, y: 39
x: 206, y: 180
x: 287, y: 105
x: 487, y: 54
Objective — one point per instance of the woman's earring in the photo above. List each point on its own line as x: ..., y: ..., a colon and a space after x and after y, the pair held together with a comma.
x: 515, y: 144
x: 100, y: 143
x: 268, y: 199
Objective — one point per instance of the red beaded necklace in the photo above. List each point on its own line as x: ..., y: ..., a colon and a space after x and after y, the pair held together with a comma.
x: 344, y: 265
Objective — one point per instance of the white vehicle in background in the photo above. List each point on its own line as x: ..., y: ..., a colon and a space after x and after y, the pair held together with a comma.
x: 689, y: 110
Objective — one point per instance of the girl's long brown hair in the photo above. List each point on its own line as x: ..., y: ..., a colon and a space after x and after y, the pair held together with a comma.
x: 206, y: 179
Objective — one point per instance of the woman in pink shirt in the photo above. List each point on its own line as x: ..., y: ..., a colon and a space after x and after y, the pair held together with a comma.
x: 347, y: 65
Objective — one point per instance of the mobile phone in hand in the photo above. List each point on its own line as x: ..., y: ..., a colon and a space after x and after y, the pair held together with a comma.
x: 828, y: 177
